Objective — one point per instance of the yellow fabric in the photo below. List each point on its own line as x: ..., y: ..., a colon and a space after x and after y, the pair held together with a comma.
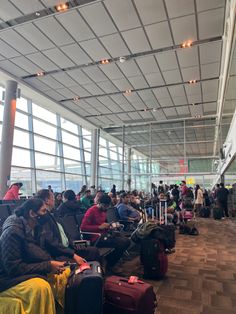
x: 11, y: 306
x: 58, y: 285
x: 33, y: 296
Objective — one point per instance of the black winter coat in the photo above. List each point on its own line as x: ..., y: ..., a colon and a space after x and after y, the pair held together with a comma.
x: 21, y: 258
x: 49, y: 238
x: 68, y: 208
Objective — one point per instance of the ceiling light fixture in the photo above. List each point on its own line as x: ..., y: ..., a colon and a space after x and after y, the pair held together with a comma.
x: 198, y: 116
x: 76, y: 98
x: 187, y: 44
x: 37, y: 14
x: 62, y: 7
x: 192, y: 81
x: 122, y: 59
x: 106, y: 61
x: 128, y: 91
x: 40, y: 73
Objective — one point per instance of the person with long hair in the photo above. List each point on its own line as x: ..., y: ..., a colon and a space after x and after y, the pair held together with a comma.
x: 25, y: 268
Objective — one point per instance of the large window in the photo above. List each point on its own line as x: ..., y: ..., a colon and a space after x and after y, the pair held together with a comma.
x: 110, y: 167
x: 47, y: 149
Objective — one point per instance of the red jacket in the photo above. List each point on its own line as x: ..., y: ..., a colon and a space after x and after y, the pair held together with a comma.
x: 12, y: 193
x: 93, y: 218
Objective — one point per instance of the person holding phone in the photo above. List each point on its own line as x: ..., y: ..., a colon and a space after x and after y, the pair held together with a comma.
x: 27, y: 272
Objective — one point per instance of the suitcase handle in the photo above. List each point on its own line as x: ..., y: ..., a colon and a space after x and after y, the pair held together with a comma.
x: 83, y: 267
x: 132, y: 280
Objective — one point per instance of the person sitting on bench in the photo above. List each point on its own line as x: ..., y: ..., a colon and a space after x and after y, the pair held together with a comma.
x: 25, y: 268
x: 54, y: 238
x: 95, y: 221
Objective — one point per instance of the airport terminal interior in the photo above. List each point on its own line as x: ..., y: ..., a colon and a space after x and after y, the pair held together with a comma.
x: 128, y: 93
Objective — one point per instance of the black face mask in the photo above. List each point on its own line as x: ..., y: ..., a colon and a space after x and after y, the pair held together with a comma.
x: 42, y: 219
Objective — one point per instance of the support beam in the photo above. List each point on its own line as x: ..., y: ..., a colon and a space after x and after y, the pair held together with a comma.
x: 95, y: 157
x: 229, y: 39
x: 123, y: 157
x: 175, y: 143
x: 7, y: 135
x: 135, y: 123
x: 129, y: 168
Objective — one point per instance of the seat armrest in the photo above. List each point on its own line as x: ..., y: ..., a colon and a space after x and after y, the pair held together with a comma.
x: 80, y: 244
x: 92, y: 233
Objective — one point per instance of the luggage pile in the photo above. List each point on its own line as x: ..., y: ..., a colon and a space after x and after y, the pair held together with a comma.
x: 86, y: 293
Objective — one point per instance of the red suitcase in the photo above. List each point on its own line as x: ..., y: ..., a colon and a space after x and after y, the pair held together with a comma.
x: 126, y: 296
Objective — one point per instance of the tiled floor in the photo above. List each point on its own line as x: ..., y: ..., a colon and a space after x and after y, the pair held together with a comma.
x: 202, y: 273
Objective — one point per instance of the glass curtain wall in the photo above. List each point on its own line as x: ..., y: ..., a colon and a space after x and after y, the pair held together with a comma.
x: 110, y: 165
x: 50, y: 150
x: 47, y: 149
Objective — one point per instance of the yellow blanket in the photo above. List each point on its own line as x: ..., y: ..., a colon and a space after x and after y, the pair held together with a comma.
x: 35, y: 296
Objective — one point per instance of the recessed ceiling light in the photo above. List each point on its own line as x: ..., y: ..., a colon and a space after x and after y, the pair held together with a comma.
x: 128, y: 91
x: 106, y: 61
x: 192, y: 81
x: 62, y: 7
x: 187, y: 44
x: 40, y: 73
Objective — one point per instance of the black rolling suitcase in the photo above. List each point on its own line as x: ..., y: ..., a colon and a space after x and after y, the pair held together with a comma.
x: 84, y: 290
x: 153, y: 258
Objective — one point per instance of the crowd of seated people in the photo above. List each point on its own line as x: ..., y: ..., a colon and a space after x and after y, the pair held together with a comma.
x: 34, y: 246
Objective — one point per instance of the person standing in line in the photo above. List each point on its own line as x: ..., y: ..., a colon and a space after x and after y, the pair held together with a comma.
x: 183, y: 189
x: 216, y: 189
x: 222, y: 199
x: 50, y: 188
x: 232, y: 201
x: 198, y: 199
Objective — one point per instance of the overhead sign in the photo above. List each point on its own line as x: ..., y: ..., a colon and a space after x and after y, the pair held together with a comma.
x: 190, y: 181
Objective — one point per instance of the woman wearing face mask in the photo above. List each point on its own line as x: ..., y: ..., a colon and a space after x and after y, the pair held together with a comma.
x: 25, y: 268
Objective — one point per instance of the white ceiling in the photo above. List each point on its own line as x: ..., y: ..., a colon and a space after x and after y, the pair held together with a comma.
x: 68, y: 47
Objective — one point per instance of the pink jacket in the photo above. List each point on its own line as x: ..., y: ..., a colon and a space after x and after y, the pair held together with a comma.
x: 12, y: 193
